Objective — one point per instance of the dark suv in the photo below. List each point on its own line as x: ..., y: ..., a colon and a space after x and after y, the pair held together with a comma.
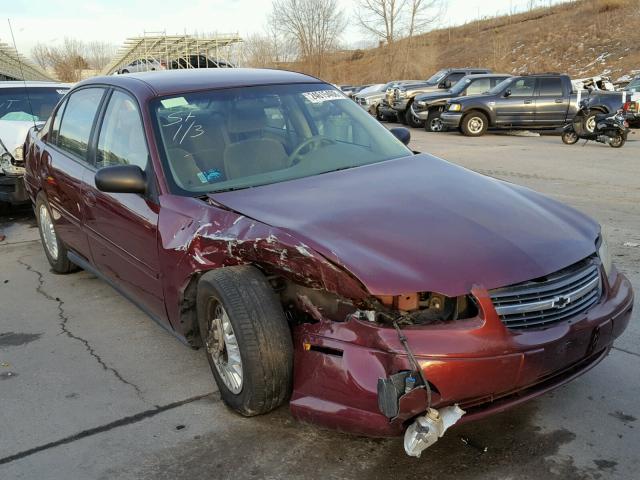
x: 401, y: 98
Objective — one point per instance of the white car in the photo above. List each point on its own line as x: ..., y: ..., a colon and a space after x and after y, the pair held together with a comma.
x: 23, y: 105
x: 143, y: 65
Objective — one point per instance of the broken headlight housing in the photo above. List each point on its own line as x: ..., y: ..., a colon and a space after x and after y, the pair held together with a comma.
x: 12, y: 164
x: 605, y: 255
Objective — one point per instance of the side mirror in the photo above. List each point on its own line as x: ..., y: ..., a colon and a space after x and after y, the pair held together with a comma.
x: 507, y: 93
x: 402, y: 134
x: 121, y: 179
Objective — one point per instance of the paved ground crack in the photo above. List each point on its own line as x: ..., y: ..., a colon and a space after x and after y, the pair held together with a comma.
x: 626, y: 351
x: 64, y: 319
x: 104, y: 428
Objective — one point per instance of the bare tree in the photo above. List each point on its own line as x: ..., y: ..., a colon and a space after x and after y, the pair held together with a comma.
x: 98, y: 54
x: 381, y: 17
x: 66, y: 60
x: 314, y: 26
x: 40, y: 54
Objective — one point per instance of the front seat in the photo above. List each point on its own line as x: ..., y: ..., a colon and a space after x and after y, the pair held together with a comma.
x: 251, y: 153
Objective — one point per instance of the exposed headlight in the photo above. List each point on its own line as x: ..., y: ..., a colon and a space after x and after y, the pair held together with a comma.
x: 18, y: 153
x: 605, y: 255
x: 455, y: 107
x: 8, y: 164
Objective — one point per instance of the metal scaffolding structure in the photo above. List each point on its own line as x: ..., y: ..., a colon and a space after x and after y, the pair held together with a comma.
x: 168, y: 49
x: 13, y: 66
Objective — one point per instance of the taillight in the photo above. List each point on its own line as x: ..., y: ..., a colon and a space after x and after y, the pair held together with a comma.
x: 627, y: 107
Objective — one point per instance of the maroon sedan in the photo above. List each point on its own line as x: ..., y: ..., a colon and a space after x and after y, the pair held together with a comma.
x: 264, y: 216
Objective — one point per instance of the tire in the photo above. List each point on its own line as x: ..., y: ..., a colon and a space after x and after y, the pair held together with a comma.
x: 474, y: 124
x: 618, y: 141
x: 401, y: 117
x: 433, y: 123
x: 54, y: 248
x: 379, y: 116
x: 262, y: 339
x: 411, y: 120
x: 590, y: 121
x: 569, y: 137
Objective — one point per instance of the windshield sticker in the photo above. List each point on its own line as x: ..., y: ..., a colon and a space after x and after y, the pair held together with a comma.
x: 324, y: 96
x: 174, y: 102
x: 210, y: 176
x: 62, y: 92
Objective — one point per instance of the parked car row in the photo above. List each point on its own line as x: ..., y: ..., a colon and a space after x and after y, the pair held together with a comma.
x: 474, y: 100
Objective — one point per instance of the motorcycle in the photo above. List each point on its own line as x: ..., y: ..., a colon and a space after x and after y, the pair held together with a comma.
x: 609, y: 128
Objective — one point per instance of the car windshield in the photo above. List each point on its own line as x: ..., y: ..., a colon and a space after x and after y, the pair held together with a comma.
x: 436, y: 77
x: 634, y: 85
x: 459, y: 87
x: 237, y: 138
x: 500, y: 86
x: 32, y: 104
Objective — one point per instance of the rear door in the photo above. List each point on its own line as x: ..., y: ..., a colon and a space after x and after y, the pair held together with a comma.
x: 552, y: 102
x: 123, y: 227
x: 518, y: 108
x: 65, y: 163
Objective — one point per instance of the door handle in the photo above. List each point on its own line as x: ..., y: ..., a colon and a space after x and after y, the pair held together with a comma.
x: 527, y: 102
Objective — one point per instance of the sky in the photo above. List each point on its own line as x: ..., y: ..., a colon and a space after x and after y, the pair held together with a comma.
x: 49, y: 21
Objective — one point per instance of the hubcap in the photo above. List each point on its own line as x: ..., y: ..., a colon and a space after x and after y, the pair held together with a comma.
x: 48, y: 232
x: 475, y: 125
x: 222, y: 345
x: 436, y: 125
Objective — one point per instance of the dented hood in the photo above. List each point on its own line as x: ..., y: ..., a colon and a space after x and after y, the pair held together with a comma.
x: 423, y: 224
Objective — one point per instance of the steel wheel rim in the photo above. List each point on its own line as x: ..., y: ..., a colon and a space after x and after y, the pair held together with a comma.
x: 475, y: 124
x: 590, y: 124
x: 222, y: 346
x: 48, y: 232
x: 436, y: 125
x: 615, y: 141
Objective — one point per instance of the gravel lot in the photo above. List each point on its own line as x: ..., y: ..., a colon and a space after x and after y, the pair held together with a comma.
x: 91, y: 388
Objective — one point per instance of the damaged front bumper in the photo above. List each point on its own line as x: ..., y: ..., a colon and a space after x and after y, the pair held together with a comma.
x: 477, y: 363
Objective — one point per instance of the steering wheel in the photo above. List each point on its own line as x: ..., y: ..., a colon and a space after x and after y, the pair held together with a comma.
x: 317, y: 140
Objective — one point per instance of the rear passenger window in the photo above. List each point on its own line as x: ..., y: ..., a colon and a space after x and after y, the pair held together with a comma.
x: 550, y: 87
x: 77, y: 120
x: 122, y: 140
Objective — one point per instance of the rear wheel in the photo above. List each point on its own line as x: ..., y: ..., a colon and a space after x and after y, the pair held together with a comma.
x: 569, y: 137
x: 54, y: 248
x: 590, y: 121
x: 617, y: 141
x: 474, y: 124
x: 434, y: 122
x: 247, y: 339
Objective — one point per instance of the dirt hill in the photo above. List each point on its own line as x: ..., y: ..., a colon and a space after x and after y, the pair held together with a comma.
x: 582, y: 38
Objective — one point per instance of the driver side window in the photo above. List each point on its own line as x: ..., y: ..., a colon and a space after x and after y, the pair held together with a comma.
x: 523, y: 87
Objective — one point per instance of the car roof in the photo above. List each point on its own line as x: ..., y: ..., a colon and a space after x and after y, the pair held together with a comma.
x: 488, y: 75
x: 33, y: 84
x: 167, y: 82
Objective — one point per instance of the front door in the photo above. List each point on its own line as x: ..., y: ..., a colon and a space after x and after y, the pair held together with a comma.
x: 519, y: 107
x: 123, y: 227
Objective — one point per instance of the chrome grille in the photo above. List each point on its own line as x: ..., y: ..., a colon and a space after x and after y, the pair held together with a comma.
x: 555, y: 298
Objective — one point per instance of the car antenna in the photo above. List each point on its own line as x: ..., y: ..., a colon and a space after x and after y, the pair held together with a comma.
x: 24, y: 81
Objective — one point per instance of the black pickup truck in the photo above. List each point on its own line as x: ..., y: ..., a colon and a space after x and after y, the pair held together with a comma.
x: 541, y: 101
x: 428, y: 106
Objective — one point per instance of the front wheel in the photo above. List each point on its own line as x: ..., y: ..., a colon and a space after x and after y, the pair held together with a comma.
x: 569, y: 137
x: 411, y: 119
x: 617, y: 141
x: 246, y: 337
x: 474, y: 124
x: 434, y: 122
